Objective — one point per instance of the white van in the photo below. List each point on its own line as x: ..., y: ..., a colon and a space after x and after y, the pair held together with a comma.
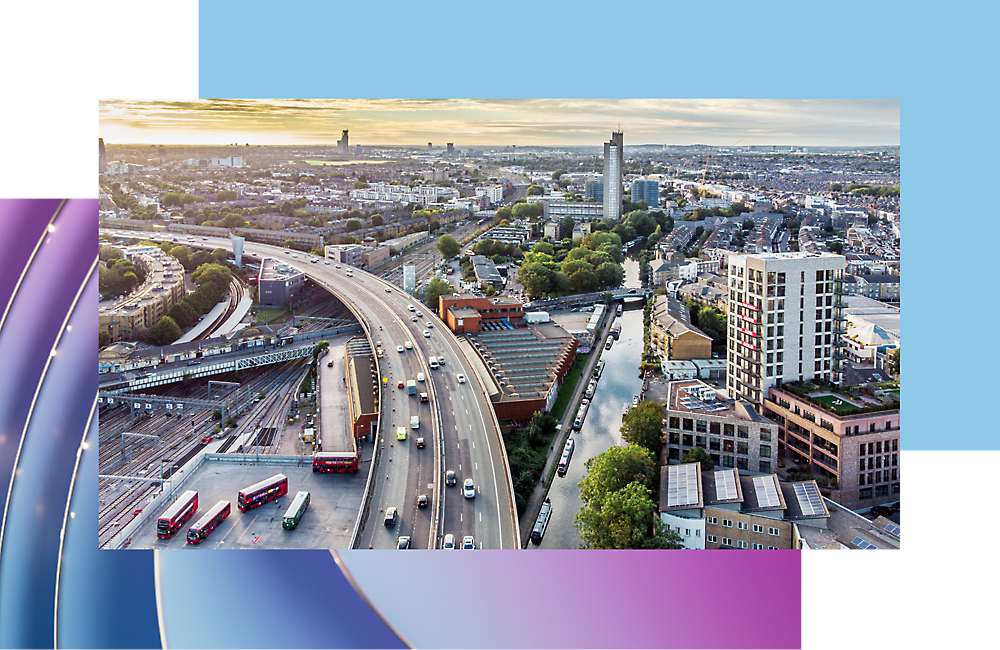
x: 432, y: 362
x: 415, y: 422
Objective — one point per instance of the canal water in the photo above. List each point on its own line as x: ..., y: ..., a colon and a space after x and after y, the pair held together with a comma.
x: 601, y: 430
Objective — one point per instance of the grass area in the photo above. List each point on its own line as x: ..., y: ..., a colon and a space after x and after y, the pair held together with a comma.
x: 569, y: 385
x: 838, y: 404
x: 265, y: 314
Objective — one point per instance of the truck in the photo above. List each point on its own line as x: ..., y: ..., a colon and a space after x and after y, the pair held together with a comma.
x: 411, y: 387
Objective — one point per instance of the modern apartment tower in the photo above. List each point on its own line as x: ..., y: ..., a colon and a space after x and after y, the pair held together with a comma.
x: 102, y: 156
x: 786, y: 321
x: 342, y: 143
x: 614, y: 160
x: 648, y: 191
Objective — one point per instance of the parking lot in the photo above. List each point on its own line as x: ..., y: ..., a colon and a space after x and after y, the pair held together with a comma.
x: 327, y: 523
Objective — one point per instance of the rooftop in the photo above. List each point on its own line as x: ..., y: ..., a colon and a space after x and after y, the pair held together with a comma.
x: 844, y: 403
x: 695, y: 396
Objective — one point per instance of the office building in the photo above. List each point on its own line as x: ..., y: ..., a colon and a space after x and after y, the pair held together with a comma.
x: 278, y: 284
x: 102, y: 156
x: 614, y: 163
x: 648, y: 191
x: 342, y: 143
x: 451, y: 148
x: 786, y: 321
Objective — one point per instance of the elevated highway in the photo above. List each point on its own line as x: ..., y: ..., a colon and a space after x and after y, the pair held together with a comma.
x: 457, y: 423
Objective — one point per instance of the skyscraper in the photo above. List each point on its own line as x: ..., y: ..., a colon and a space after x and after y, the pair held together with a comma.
x: 614, y: 160
x: 785, y: 321
x: 342, y: 143
x: 102, y: 156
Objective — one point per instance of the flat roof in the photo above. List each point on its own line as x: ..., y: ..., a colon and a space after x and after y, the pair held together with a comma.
x: 681, y: 487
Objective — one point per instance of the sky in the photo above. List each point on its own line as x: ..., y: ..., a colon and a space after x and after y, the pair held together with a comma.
x: 503, y: 122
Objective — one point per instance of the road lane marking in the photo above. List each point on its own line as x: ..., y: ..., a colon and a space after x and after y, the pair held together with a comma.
x: 480, y: 516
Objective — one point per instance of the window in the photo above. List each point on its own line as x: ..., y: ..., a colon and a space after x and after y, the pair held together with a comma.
x: 688, y: 424
x: 727, y: 523
x: 765, y: 466
x: 895, y: 446
x: 772, y: 548
x: 727, y: 446
x: 726, y: 541
x: 713, y: 427
x: 741, y: 544
x: 687, y: 532
x: 688, y: 440
x: 743, y: 431
x: 757, y: 528
x: 727, y: 461
x: 701, y: 426
x: 765, y: 451
x: 728, y: 429
x: 711, y: 539
x: 772, y: 531
x: 758, y: 547
x: 742, y: 448
x: 765, y: 435
x: 742, y: 525
x: 865, y: 493
x: 714, y: 444
x: 675, y: 422
x: 712, y: 520
x: 697, y: 532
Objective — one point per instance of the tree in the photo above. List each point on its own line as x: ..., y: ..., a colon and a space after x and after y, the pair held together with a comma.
x: 699, y: 455
x: 183, y: 314
x: 613, y: 470
x: 535, y: 190
x: 643, y: 425
x: 320, y: 346
x: 448, y: 247
x: 360, y: 185
x: 377, y: 220
x: 894, y: 362
x: 353, y: 224
x: 557, y: 174
x: 435, y: 289
x: 836, y: 247
x: 165, y: 332
x: 543, y: 247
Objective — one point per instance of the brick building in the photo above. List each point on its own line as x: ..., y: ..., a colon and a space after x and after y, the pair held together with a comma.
x: 673, y: 336
x: 466, y: 313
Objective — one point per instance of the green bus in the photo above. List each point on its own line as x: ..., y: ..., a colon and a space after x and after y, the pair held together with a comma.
x: 296, y: 510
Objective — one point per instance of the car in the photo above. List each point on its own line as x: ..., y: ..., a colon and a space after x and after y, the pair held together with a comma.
x: 390, y: 517
x: 469, y: 489
x: 400, y: 433
x: 399, y: 385
x: 414, y: 422
x: 350, y: 275
x: 423, y: 397
x: 329, y: 364
x: 427, y: 334
x: 461, y: 379
x: 420, y: 376
x: 419, y: 315
x: 336, y: 266
x: 413, y: 318
x: 403, y: 542
x: 194, y: 363
x: 388, y: 290
x: 420, y: 443
x: 468, y: 542
x: 399, y: 348
x: 422, y: 501
x: 881, y: 511
x: 449, y: 541
x: 411, y: 307
x: 429, y: 324
x: 205, y: 439
x: 408, y: 345
x: 440, y: 361
x: 449, y: 478
x: 327, y: 263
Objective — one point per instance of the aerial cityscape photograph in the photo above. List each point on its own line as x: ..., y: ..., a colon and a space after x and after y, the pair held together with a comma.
x: 499, y: 324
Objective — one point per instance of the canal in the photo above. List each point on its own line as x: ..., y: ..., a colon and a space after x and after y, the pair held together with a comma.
x: 601, y: 430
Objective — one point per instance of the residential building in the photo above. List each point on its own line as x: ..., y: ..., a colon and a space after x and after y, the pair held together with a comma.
x: 724, y: 508
x: 551, y: 229
x: 494, y: 193
x: 704, y: 295
x: 648, y: 191
x: 102, y: 156
x: 879, y: 287
x: 556, y: 210
x: 581, y: 230
x: 594, y: 190
x: 732, y: 432
x: 849, y: 438
x: 673, y: 336
x: 785, y: 321
x: 147, y: 304
x: 614, y: 164
x: 845, y: 530
x: 509, y: 235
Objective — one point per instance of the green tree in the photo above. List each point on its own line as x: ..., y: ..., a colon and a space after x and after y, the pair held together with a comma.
x: 448, y: 247
x: 183, y: 314
x: 377, y: 220
x: 624, y: 519
x: 353, y: 224
x: 226, y: 195
x: 535, y: 190
x: 165, y: 332
x: 435, y: 289
x: 613, y: 470
x: 557, y: 174
x: 643, y: 425
x: 543, y: 247
x: 320, y: 346
x: 699, y: 455
x: 359, y: 185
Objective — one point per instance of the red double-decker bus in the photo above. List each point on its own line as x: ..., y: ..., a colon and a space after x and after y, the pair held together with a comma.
x: 175, y: 516
x: 260, y: 493
x: 336, y: 461
x: 208, y: 522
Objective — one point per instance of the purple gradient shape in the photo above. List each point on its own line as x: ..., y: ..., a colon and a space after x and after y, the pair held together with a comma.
x: 22, y: 222
x: 588, y: 599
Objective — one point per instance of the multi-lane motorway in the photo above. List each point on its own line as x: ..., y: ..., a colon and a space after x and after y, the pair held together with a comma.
x: 457, y: 422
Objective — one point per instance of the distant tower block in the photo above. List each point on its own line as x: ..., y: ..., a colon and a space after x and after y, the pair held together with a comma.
x: 451, y: 148
x: 410, y: 279
x: 430, y: 145
x: 342, y: 144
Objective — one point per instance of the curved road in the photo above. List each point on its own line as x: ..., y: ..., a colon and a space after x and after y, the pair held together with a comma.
x: 468, y: 434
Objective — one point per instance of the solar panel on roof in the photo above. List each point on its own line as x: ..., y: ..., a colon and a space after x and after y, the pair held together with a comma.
x: 767, y: 492
x: 892, y: 529
x: 860, y: 543
x: 725, y: 485
x: 682, y: 486
x: 809, y: 498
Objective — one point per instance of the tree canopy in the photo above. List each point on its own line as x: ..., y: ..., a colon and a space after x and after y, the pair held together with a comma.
x: 643, y: 425
x: 435, y: 289
x: 699, y: 455
x: 448, y: 247
x: 165, y: 332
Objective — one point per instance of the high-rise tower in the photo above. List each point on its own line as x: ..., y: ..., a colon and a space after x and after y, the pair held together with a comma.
x: 614, y: 160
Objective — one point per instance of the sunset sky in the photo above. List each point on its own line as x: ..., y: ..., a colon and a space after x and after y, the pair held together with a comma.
x: 496, y: 122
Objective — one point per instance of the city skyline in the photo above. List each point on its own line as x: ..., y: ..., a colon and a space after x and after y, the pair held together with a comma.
x: 504, y: 122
